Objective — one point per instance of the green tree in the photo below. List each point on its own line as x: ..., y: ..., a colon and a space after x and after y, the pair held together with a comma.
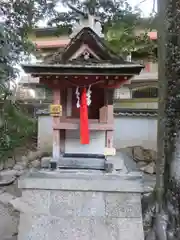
x: 17, y: 18
x: 123, y: 38
x: 120, y: 23
x: 162, y: 211
x: 167, y: 224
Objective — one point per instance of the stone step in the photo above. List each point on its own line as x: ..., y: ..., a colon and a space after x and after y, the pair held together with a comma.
x: 82, y: 163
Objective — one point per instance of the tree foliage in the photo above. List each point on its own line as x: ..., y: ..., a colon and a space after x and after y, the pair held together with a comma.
x: 164, y: 212
x: 16, y: 20
x: 16, y: 127
x: 105, y: 10
x: 120, y: 23
x: 121, y: 36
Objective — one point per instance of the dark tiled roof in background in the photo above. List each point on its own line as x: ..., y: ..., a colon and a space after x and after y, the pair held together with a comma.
x: 117, y: 112
x: 136, y: 112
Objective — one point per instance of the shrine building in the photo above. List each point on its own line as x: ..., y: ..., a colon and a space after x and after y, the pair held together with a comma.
x: 87, y: 192
x: 86, y: 67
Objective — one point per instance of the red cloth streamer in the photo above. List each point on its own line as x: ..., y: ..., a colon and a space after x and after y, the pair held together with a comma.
x: 84, y: 123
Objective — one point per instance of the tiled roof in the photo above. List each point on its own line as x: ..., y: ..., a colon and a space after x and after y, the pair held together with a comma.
x: 136, y: 112
x: 117, y: 112
x: 89, y: 37
x: 105, y: 60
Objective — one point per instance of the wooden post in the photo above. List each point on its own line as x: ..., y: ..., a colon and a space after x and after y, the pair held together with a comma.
x: 64, y: 114
x: 69, y: 102
x: 56, y: 132
x: 109, y: 95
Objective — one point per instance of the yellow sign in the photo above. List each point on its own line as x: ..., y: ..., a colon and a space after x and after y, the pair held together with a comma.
x: 110, y: 152
x: 56, y: 110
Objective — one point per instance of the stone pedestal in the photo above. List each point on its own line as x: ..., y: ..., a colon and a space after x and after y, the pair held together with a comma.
x: 80, y: 205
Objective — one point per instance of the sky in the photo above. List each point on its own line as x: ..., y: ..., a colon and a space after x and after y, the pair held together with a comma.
x: 146, y: 6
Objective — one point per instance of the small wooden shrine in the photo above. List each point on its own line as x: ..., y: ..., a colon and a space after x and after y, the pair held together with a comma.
x: 83, y: 79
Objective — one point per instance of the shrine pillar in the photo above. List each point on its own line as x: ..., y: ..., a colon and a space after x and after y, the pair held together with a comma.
x: 56, y: 133
x: 110, y: 117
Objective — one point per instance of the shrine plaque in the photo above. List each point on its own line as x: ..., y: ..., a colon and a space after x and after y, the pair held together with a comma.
x: 110, y: 152
x: 56, y: 110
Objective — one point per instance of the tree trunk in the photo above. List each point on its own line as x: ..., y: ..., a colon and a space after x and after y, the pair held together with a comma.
x: 167, y: 218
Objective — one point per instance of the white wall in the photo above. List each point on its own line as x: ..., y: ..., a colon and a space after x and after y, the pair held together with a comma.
x: 135, y: 131
x: 129, y: 131
x: 45, y: 132
x: 96, y: 145
x: 97, y: 139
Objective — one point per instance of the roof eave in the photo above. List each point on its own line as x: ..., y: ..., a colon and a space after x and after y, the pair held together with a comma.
x: 128, y: 69
x: 93, y: 65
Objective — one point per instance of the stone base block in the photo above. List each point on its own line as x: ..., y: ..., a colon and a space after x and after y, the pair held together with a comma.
x: 66, y: 213
x: 41, y: 227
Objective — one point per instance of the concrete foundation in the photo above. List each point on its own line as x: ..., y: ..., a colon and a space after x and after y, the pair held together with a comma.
x: 80, y: 205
